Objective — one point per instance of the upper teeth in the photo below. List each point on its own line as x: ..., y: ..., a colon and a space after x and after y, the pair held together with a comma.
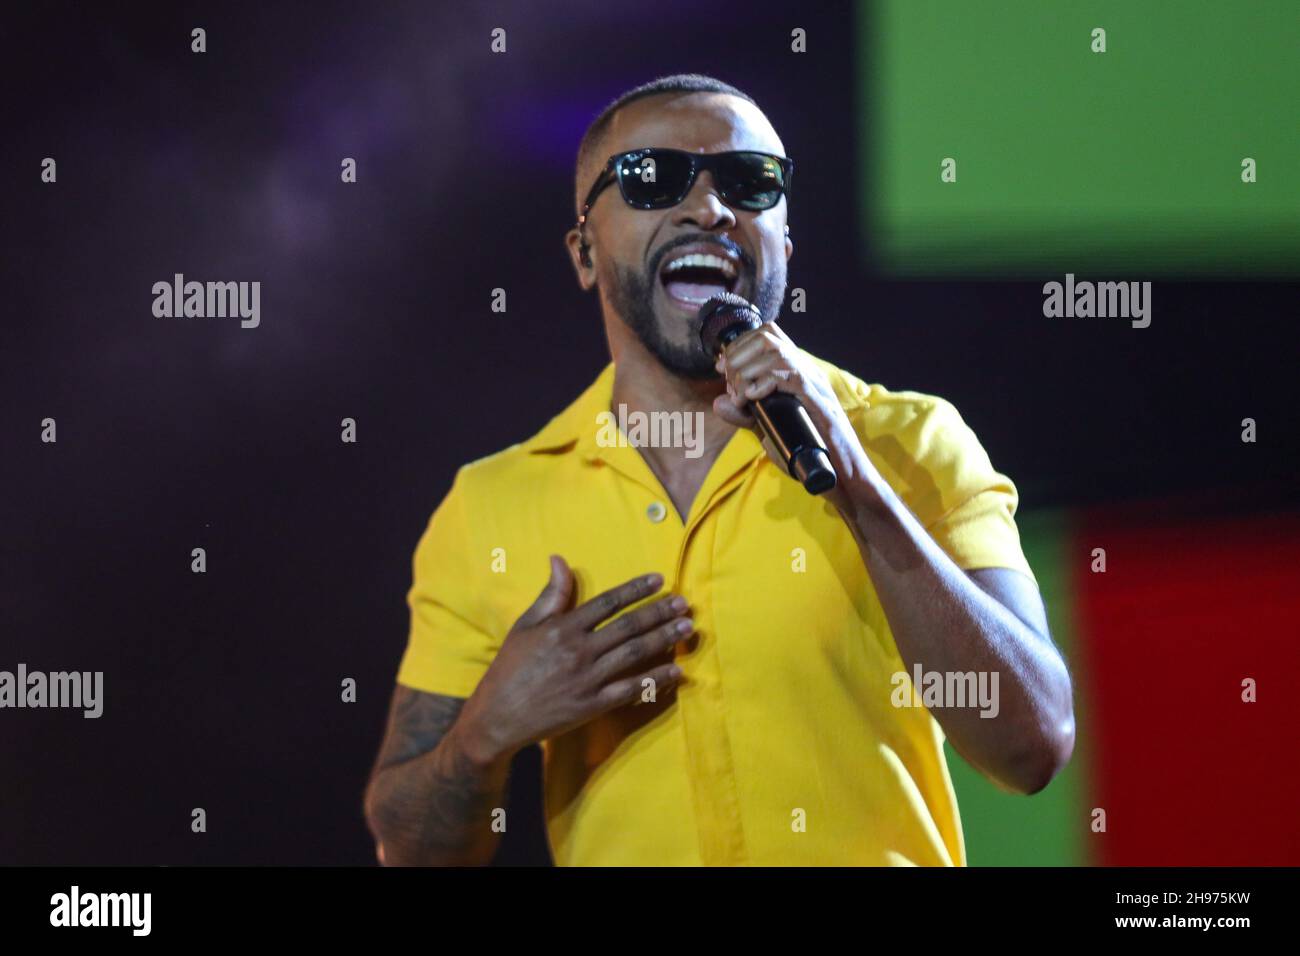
x: 702, y: 259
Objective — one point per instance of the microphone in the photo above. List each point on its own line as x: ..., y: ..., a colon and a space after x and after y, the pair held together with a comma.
x: 782, y: 417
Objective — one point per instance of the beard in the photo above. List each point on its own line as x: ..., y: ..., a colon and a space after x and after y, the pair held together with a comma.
x: 633, y: 298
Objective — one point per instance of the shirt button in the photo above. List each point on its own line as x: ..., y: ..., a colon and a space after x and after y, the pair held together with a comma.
x: 656, y: 511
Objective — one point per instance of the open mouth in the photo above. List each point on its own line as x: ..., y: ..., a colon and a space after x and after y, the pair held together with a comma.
x: 691, y: 280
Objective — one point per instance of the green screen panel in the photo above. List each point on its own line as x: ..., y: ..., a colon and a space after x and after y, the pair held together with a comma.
x: 1128, y: 161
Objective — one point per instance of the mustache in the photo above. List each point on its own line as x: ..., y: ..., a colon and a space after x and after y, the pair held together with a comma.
x: 722, y: 242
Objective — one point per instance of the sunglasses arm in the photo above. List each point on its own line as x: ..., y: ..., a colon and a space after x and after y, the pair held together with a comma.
x: 605, y: 178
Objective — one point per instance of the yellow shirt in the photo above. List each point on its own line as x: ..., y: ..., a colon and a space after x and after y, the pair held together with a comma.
x: 783, y: 748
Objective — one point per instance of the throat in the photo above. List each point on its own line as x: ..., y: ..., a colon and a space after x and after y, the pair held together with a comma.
x: 670, y: 423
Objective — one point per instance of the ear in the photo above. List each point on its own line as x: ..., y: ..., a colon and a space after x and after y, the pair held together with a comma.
x: 585, y: 270
x: 789, y: 244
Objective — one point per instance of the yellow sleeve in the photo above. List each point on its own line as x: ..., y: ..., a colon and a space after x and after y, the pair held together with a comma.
x: 946, y: 478
x: 448, y: 649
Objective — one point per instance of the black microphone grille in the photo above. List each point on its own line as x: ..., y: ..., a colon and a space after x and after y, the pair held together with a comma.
x: 725, y: 316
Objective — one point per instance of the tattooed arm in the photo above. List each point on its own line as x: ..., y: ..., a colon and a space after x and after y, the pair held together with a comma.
x: 443, y: 765
x: 433, y: 789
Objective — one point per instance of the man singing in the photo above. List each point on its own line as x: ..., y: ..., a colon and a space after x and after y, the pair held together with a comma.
x: 709, y: 655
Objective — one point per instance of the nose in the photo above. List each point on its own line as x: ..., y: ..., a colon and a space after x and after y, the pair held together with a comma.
x: 703, y: 207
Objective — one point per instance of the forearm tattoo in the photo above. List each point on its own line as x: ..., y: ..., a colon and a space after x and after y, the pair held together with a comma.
x: 426, y: 801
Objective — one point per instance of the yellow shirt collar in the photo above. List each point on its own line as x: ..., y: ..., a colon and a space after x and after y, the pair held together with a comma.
x: 577, y: 425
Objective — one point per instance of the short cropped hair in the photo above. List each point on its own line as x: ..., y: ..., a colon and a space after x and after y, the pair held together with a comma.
x: 677, y: 83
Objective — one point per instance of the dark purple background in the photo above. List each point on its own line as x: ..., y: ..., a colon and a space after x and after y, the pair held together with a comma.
x: 223, y: 689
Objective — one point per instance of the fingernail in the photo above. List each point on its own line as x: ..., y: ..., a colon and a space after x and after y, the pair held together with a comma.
x: 679, y: 603
x: 684, y: 627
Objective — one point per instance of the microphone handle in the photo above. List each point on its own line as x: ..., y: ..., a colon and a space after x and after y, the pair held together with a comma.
x: 786, y: 423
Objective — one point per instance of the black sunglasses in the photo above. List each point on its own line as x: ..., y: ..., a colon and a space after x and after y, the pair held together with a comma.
x: 657, y: 177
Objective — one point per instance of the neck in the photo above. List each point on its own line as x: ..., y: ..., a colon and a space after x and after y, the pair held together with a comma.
x: 641, y: 384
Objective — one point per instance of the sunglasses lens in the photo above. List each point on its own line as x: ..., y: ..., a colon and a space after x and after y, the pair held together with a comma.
x: 751, y: 180
x: 655, y: 180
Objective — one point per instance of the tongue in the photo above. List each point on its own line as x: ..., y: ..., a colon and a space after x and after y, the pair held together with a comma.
x: 694, y: 291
